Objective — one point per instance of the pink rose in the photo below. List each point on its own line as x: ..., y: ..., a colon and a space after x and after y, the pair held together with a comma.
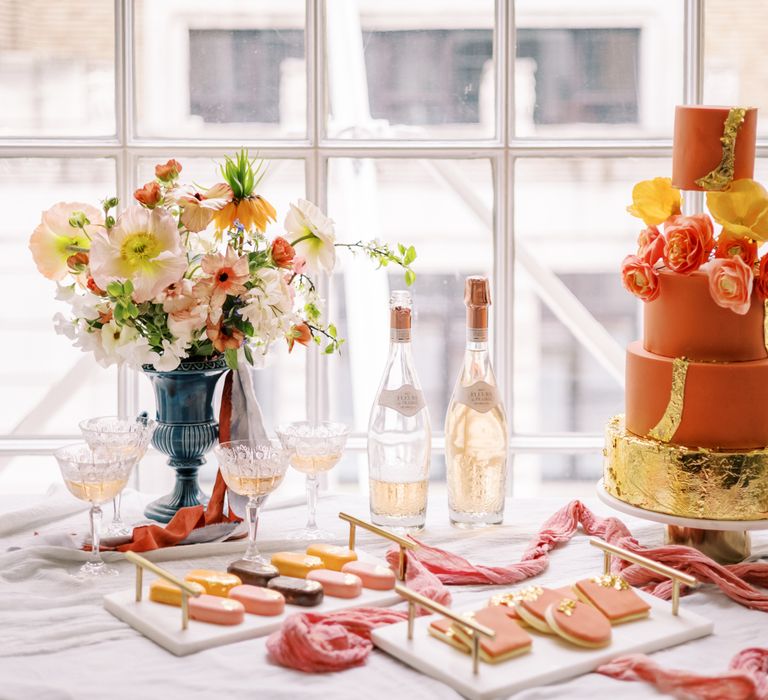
x: 730, y: 283
x: 650, y: 245
x: 689, y: 242
x: 761, y: 281
x: 640, y: 278
x: 730, y: 244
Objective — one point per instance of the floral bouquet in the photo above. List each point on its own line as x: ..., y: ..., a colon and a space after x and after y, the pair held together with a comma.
x: 687, y: 243
x: 189, y: 272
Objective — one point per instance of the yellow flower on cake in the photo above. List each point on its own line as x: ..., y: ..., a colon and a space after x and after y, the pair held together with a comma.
x: 56, y: 240
x: 742, y: 209
x: 654, y: 201
x: 251, y: 210
x: 143, y: 247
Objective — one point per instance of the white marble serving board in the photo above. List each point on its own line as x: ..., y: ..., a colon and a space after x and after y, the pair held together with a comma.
x: 162, y: 623
x: 550, y: 660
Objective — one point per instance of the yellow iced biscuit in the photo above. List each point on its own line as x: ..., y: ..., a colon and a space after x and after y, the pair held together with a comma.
x: 162, y: 591
x: 296, y: 564
x: 214, y: 582
x: 333, y: 556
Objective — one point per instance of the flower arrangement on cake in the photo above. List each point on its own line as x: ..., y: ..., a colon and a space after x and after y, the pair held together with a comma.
x: 189, y: 272
x: 686, y: 244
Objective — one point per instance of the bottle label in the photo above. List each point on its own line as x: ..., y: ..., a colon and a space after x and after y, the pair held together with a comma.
x: 477, y: 335
x: 407, y: 400
x: 480, y: 396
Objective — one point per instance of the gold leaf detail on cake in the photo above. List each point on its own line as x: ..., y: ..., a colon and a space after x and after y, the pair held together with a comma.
x: 567, y: 606
x: 722, y: 175
x: 666, y: 428
x: 765, y: 324
x: 685, y: 481
x: 611, y: 581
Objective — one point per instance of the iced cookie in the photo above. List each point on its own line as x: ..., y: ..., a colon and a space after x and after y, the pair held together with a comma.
x: 532, y: 602
x: 215, y: 582
x: 333, y: 557
x: 296, y: 564
x: 216, y: 610
x: 259, y: 601
x: 579, y: 623
x: 298, y: 591
x: 510, y: 640
x: 162, y: 591
x: 253, y: 573
x: 336, y: 583
x: 613, y: 597
x: 441, y: 629
x: 374, y: 576
x: 507, y: 600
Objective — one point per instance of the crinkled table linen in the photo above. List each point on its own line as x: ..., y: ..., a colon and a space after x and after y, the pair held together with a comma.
x: 57, y: 641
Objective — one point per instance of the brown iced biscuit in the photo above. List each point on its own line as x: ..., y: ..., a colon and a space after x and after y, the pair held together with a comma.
x: 510, y: 640
x: 441, y: 629
x: 253, y: 573
x: 613, y: 597
x: 579, y: 623
x: 298, y: 591
x: 532, y: 602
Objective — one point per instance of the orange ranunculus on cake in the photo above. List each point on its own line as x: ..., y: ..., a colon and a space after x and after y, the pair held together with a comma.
x: 694, y: 440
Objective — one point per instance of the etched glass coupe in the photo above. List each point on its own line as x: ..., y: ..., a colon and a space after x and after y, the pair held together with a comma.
x: 125, y: 436
x: 252, y: 469
x: 95, y: 477
x: 314, y: 449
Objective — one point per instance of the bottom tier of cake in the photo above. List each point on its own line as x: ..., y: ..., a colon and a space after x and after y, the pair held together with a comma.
x: 683, y: 481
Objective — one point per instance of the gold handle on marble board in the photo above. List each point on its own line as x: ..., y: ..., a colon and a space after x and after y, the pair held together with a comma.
x: 186, y: 589
x: 475, y: 629
x: 678, y: 577
x: 401, y: 542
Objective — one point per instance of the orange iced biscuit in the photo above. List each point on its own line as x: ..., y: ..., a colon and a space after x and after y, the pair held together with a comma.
x: 215, y: 582
x: 295, y: 564
x: 579, y: 623
x: 216, y: 610
x: 532, y: 602
x: 259, y: 601
x: 333, y: 557
x: 613, y: 597
x: 162, y: 591
x: 510, y: 640
x: 373, y: 576
x: 507, y: 601
x: 441, y: 629
x: 336, y: 583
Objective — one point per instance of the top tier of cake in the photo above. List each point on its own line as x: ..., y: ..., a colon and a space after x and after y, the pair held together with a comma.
x: 698, y: 147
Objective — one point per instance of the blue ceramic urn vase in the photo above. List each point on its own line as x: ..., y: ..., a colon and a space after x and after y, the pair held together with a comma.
x: 186, y: 429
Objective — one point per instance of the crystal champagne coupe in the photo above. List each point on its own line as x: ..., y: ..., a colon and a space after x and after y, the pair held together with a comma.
x: 252, y: 469
x: 314, y: 449
x: 95, y: 477
x: 125, y: 436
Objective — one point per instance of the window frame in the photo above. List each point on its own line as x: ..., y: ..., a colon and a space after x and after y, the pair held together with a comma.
x: 126, y: 147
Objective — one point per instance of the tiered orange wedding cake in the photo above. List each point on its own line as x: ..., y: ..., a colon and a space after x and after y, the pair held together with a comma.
x: 694, y: 439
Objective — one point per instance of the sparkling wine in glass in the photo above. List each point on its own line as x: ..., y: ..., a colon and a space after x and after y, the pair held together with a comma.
x: 314, y: 449
x: 95, y: 477
x: 115, y: 435
x: 254, y: 470
x: 476, y: 435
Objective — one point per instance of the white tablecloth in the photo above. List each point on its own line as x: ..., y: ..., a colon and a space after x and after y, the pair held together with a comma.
x: 57, y: 641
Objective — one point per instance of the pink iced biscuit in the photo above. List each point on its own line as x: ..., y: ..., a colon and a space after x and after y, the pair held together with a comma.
x: 336, y: 583
x: 375, y: 576
x: 216, y: 610
x: 259, y: 601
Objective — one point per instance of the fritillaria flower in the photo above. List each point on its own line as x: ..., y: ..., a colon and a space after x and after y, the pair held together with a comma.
x: 251, y: 210
x: 144, y: 247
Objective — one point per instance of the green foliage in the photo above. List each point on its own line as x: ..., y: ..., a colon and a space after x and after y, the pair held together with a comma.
x: 383, y: 255
x: 242, y: 174
x: 230, y: 356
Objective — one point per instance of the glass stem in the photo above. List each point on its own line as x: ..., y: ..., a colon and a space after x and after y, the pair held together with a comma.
x: 252, y: 519
x: 95, y: 517
x: 116, y: 501
x: 312, y: 486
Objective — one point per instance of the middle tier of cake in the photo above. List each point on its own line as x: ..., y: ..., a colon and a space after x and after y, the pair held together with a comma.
x: 723, y: 403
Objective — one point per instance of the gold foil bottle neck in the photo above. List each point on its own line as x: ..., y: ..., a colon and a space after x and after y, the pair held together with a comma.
x: 400, y: 306
x: 477, y: 291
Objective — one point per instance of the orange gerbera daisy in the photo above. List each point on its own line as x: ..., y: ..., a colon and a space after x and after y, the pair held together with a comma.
x: 224, y: 337
x: 251, y: 210
x: 226, y: 276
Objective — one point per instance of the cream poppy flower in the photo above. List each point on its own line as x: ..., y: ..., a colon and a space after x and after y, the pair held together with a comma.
x: 315, y: 235
x: 54, y: 240
x: 143, y: 247
x: 198, y: 208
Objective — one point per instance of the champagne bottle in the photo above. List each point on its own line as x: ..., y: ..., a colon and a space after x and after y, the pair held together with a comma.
x: 399, y: 433
x: 476, y: 436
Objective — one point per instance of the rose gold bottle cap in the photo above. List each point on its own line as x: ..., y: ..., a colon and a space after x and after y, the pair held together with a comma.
x: 400, y: 311
x: 477, y: 291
